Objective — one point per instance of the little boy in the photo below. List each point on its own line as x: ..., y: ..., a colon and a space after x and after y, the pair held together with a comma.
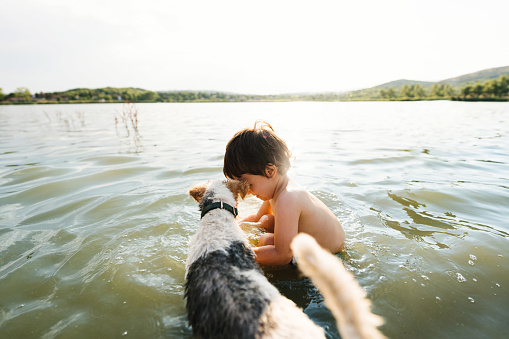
x: 261, y: 158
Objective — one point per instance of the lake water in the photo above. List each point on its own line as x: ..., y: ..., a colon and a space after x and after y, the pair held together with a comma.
x: 95, y: 217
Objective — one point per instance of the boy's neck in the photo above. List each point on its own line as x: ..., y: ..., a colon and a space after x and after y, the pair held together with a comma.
x: 282, y: 182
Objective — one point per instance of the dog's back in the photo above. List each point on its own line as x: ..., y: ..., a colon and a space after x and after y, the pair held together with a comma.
x: 222, y: 299
x: 229, y: 297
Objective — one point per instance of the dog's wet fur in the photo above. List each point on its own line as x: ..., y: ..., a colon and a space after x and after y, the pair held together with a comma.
x: 227, y: 293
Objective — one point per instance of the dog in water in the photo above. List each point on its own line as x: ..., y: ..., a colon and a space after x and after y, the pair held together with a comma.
x: 227, y: 293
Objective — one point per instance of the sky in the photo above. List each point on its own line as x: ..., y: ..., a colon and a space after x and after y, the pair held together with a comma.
x: 249, y: 47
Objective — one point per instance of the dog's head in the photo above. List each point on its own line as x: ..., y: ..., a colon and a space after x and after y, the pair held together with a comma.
x: 227, y: 191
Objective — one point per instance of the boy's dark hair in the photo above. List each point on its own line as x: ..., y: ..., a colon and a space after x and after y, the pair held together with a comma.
x: 252, y: 149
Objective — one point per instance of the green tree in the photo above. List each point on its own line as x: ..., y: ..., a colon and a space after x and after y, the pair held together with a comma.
x: 491, y: 88
x: 418, y: 91
x: 203, y: 96
x: 189, y: 96
x: 23, y: 93
x: 503, y: 85
x: 406, y: 92
x: 2, y: 95
x: 448, y: 91
x: 148, y: 96
x: 466, y: 91
x: 478, y: 89
x: 391, y: 93
x: 436, y: 91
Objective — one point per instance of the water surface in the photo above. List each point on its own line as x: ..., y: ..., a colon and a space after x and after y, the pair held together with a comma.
x: 95, y: 217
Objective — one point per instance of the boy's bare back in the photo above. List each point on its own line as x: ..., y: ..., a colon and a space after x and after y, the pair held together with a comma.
x: 315, y: 218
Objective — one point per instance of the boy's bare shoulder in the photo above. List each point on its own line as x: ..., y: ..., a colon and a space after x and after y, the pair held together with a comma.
x: 292, y: 196
x: 288, y: 196
x: 295, y: 188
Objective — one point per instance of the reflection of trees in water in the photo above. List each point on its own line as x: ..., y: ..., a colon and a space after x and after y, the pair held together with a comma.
x: 128, y: 120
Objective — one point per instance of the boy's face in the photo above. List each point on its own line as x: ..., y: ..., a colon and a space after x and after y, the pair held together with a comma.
x: 260, y: 186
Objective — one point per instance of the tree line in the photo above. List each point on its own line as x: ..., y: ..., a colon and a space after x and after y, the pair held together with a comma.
x: 22, y: 94
x: 109, y: 94
x: 496, y: 89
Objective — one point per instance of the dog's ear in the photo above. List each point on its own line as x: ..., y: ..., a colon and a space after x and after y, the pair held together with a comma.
x: 197, y: 191
x: 239, y: 188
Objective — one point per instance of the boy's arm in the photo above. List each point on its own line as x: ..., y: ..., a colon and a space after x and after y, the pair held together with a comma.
x: 287, y: 227
x: 264, y: 209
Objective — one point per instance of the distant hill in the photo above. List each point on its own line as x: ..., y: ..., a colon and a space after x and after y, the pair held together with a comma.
x: 456, y: 83
x: 480, y: 76
x: 401, y: 82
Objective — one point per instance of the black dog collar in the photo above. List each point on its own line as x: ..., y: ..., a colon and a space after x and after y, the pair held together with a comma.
x: 221, y: 205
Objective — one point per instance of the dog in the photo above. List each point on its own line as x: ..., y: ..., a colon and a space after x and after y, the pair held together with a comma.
x: 227, y: 294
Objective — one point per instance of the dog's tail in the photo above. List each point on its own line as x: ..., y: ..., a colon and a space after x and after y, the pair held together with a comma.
x: 343, y: 295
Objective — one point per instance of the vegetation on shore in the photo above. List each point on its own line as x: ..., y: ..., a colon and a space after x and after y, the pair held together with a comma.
x: 486, y: 85
x: 110, y: 95
x: 492, y: 90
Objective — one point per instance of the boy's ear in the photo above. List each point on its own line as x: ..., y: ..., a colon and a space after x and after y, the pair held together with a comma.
x: 239, y: 188
x: 197, y: 191
x: 270, y: 171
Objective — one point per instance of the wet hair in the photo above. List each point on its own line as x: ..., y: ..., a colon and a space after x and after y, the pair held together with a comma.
x: 251, y: 150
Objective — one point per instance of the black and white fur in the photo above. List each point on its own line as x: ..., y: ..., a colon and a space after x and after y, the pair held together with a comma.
x: 227, y: 294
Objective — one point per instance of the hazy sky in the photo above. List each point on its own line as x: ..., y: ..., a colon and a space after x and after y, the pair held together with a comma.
x: 255, y: 47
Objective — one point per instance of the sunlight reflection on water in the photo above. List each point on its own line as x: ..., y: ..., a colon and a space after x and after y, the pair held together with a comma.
x: 95, y: 220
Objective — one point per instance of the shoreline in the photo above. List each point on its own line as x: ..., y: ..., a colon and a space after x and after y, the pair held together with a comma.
x: 3, y: 103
